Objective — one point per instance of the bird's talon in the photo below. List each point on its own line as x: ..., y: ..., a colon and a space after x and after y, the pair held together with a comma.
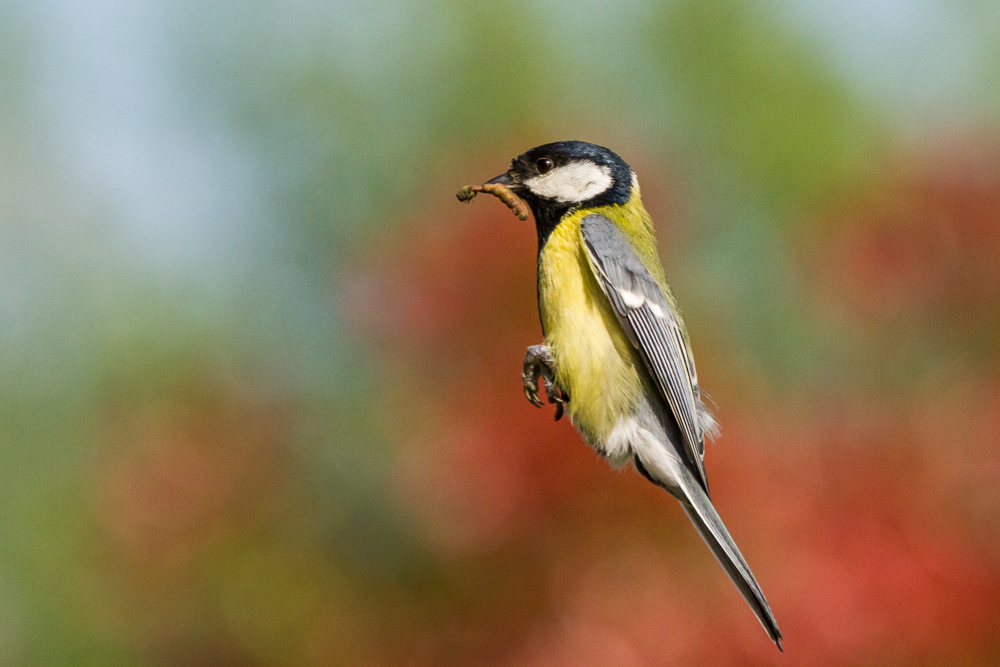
x: 557, y: 397
x: 533, y: 397
x: 554, y: 393
x: 530, y: 377
x: 538, y: 363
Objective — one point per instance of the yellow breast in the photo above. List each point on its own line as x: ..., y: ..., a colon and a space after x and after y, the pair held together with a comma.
x: 594, y: 361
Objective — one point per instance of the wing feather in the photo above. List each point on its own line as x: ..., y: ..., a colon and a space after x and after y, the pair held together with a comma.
x: 653, y: 326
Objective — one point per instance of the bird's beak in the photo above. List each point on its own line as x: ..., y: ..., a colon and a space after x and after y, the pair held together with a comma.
x: 503, y: 179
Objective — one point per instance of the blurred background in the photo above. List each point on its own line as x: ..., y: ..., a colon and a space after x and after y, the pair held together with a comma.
x: 261, y: 401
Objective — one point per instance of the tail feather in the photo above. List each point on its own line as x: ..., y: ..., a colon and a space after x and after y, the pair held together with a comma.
x: 704, y: 517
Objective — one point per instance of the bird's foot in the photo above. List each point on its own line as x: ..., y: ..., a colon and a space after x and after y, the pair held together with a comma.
x: 538, y: 363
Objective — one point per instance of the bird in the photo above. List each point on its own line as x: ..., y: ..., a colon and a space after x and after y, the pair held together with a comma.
x: 616, y: 355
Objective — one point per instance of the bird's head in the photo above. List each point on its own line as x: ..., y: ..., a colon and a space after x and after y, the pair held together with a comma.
x: 564, y: 175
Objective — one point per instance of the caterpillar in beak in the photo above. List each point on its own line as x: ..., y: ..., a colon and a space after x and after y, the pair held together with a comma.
x: 501, y: 192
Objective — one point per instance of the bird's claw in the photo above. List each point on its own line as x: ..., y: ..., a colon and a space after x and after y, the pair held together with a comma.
x: 538, y: 362
x: 556, y: 396
x: 532, y: 371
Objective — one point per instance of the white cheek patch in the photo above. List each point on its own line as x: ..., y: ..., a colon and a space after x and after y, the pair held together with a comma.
x: 571, y: 183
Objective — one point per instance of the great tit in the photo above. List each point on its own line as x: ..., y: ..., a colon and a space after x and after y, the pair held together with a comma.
x: 616, y: 354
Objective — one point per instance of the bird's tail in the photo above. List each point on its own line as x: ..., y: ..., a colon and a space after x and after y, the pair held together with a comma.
x: 704, y: 517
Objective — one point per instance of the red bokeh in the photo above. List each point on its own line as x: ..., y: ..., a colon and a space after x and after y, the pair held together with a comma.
x: 925, y: 247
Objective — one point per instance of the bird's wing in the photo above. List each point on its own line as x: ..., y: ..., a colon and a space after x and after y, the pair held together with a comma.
x: 652, y: 325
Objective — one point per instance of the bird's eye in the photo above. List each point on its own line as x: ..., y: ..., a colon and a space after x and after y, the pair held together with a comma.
x: 543, y: 165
